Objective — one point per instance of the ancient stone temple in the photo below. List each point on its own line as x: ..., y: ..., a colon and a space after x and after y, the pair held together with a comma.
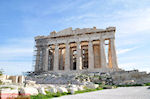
x: 87, y: 49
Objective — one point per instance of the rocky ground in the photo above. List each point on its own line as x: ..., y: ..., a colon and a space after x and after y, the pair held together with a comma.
x: 71, y: 83
x: 31, y: 88
x: 112, y: 78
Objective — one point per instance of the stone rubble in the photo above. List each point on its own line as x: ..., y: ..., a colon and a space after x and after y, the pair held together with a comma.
x: 61, y: 89
x: 54, y: 82
x: 41, y: 90
x: 92, y: 86
x: 111, y: 78
x: 28, y: 91
x: 53, y: 90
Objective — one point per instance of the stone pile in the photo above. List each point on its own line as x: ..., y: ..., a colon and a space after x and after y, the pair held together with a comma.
x: 55, y: 82
x: 13, y: 91
x: 130, y: 77
x: 111, y: 78
x: 54, y: 78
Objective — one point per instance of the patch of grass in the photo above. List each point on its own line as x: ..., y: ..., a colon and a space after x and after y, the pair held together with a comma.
x: 1, y: 82
x: 4, y: 87
x: 1, y: 72
x: 88, y: 90
x: 48, y: 95
x: 147, y: 84
x: 51, y: 95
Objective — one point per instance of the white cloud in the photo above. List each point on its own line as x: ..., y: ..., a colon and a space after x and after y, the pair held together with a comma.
x: 131, y: 22
x: 122, y: 51
x: 128, y: 22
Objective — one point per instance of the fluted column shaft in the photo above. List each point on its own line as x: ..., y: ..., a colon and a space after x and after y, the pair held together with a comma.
x: 113, y: 54
x: 46, y: 58
x: 67, y: 57
x: 56, y: 58
x: 102, y: 54
x: 37, y: 59
x: 90, y: 56
x: 79, y: 56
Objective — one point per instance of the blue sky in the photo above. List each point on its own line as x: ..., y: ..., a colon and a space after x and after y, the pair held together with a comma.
x: 22, y: 20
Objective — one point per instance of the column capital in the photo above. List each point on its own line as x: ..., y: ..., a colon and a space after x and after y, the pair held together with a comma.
x: 112, y: 39
x: 78, y: 42
x: 56, y: 44
x: 90, y: 40
x: 102, y: 39
x: 90, y: 43
x: 67, y: 43
x: 45, y: 45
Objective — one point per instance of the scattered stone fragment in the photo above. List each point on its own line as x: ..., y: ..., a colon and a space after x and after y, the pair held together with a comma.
x: 53, y: 90
x: 61, y: 89
x: 42, y: 90
x: 28, y: 91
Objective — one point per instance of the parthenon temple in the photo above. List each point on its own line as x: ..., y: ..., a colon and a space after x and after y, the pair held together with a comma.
x: 87, y: 49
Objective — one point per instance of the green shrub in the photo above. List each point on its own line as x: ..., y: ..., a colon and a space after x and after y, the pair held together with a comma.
x: 48, y: 95
x: 147, y: 84
x: 5, y: 87
x: 1, y: 72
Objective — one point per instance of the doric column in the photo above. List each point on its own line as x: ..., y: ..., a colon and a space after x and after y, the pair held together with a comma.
x: 90, y: 56
x: 102, y: 54
x: 112, y: 53
x: 67, y: 57
x: 37, y: 59
x: 46, y: 58
x: 56, y: 58
x: 79, y: 56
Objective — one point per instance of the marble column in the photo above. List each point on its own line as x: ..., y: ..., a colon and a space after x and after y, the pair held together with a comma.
x: 102, y: 54
x: 37, y: 59
x: 46, y: 58
x: 71, y: 59
x: 90, y: 56
x: 67, y: 57
x: 79, y: 56
x: 56, y: 58
x: 113, y: 54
